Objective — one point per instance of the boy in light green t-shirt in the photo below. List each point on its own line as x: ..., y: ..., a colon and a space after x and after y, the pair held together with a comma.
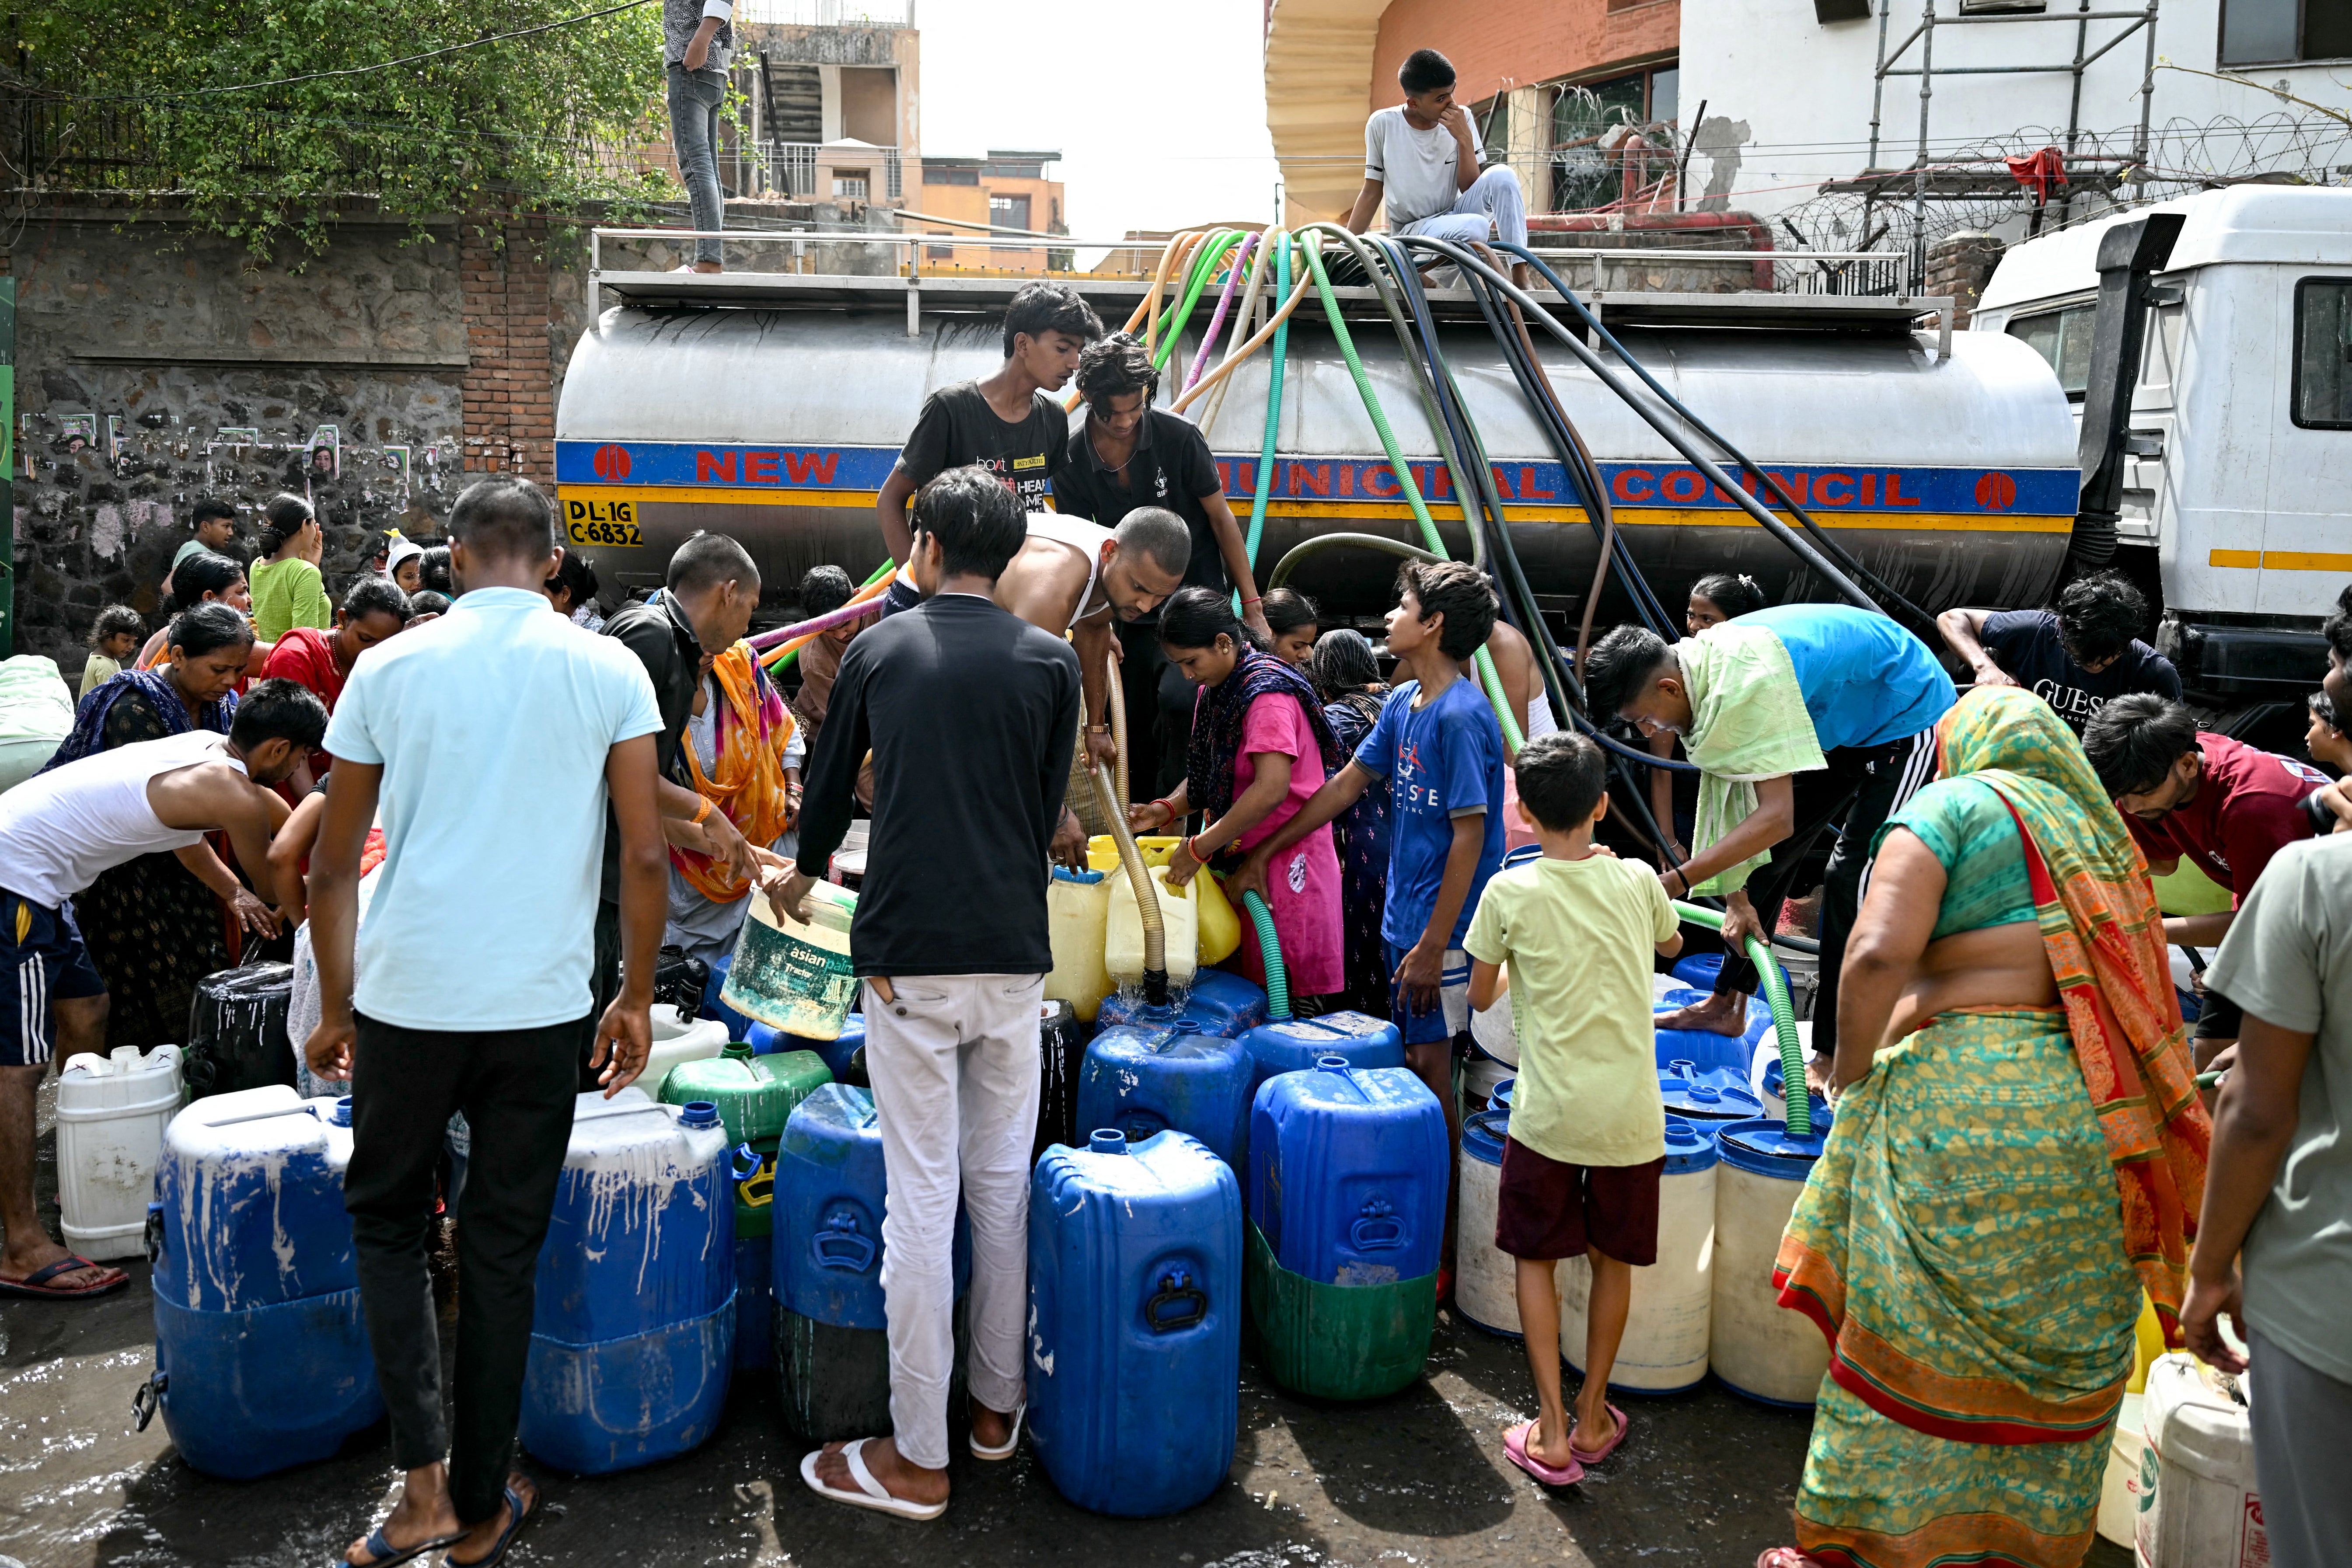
x: 1587, y: 1145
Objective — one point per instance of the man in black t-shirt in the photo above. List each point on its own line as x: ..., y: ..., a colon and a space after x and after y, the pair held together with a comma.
x: 1128, y: 453
x: 2075, y: 660
x: 1009, y: 422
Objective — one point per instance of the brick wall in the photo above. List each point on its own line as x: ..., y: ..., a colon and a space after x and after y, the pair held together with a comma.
x: 509, y: 388
x: 1519, y: 43
x: 1960, y: 266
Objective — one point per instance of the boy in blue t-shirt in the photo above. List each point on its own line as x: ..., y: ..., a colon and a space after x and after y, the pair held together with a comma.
x: 1440, y: 749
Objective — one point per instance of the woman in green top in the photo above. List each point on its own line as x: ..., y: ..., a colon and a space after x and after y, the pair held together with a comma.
x: 288, y: 590
x: 2019, y: 1152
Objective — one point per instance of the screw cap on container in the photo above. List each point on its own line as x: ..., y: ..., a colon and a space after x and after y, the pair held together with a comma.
x: 1107, y: 1141
x: 699, y: 1113
x: 1332, y: 1064
x: 343, y: 1111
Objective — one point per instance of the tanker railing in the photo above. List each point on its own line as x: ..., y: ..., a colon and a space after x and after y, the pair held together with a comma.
x: 1868, y: 313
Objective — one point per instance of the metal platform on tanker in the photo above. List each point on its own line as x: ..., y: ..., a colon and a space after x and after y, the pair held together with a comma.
x: 1117, y: 299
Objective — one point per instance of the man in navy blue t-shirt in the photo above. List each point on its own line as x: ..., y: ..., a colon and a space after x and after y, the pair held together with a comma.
x: 2077, y: 659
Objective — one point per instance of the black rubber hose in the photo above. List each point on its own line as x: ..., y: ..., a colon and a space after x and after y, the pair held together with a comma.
x: 1778, y: 491
x: 1708, y: 466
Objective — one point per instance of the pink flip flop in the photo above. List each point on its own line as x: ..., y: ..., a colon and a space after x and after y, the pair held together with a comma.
x: 1606, y: 1449
x: 1515, y: 1444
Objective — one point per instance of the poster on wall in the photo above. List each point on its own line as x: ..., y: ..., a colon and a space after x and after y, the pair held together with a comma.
x: 326, y: 452
x: 80, y: 432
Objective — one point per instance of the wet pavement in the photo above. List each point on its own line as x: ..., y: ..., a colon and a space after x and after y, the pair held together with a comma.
x: 1419, y: 1478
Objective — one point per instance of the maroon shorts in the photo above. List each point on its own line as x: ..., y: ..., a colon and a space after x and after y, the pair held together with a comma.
x: 1548, y: 1208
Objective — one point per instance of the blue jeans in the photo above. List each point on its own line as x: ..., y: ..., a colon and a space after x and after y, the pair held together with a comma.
x: 694, y: 100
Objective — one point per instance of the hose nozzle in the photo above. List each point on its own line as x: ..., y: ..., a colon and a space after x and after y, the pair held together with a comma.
x: 1155, y: 987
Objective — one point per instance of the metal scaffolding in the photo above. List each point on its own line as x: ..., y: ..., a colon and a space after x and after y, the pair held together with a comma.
x: 1927, y: 183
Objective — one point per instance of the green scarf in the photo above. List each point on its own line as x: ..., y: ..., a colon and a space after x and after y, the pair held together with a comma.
x: 1747, y: 722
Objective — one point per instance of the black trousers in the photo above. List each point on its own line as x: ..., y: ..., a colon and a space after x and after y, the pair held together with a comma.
x: 515, y: 1088
x: 604, y: 985
x: 1854, y: 796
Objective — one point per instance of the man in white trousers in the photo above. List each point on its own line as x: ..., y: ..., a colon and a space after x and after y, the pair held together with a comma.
x: 971, y: 713
x: 1422, y: 157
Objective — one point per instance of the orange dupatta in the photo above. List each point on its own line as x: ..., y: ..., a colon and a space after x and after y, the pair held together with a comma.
x: 747, y: 782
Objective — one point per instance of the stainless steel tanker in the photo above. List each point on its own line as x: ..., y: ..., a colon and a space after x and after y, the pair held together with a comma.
x: 772, y: 408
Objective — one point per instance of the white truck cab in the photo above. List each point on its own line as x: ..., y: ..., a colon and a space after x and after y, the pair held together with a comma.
x: 2218, y: 472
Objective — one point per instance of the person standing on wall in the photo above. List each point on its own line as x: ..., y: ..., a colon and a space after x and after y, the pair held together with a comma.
x: 2075, y: 657
x: 491, y: 1023
x: 1008, y: 421
x: 1422, y: 158
x: 972, y: 714
x: 698, y: 40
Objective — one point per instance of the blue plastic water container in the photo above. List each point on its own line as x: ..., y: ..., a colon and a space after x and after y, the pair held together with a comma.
x: 1702, y: 969
x: 1705, y: 1047
x: 739, y: 1024
x: 832, y: 1350
x: 1500, y: 1100
x: 766, y: 1039
x: 261, y: 1352
x: 1293, y: 1045
x: 1707, y: 1093
x: 1347, y: 1174
x: 1220, y: 1003
x: 633, y: 1337
x: 1143, y: 1078
x: 1135, y: 1298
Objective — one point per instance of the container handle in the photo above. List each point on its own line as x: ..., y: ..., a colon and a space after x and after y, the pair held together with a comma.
x: 1377, y: 1228
x: 840, y: 1246
x: 148, y: 1398
x: 1176, y: 1289
x: 743, y: 1163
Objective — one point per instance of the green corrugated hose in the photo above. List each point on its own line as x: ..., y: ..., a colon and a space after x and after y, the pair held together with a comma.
x: 1204, y: 267
x: 1277, y: 978
x: 1793, y: 1092
x: 1487, y: 678
x: 1281, y: 352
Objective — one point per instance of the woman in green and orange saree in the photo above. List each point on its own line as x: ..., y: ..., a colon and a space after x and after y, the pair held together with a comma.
x: 2018, y: 1154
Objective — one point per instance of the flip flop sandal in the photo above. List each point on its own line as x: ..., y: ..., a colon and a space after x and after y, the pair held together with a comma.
x: 36, y: 1286
x: 870, y: 1493
x: 1606, y: 1449
x: 1012, y: 1440
x: 517, y: 1515
x: 1515, y: 1444
x: 381, y: 1553
x: 1785, y: 1557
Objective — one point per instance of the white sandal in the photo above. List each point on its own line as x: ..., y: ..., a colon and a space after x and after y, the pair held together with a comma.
x: 1011, y: 1439
x: 871, y: 1493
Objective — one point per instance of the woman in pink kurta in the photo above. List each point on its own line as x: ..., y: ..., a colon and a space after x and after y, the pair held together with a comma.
x: 1260, y: 748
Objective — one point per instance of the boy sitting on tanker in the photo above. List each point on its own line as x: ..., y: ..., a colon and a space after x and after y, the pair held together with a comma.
x: 1070, y: 576
x: 1007, y: 422
x: 1799, y: 716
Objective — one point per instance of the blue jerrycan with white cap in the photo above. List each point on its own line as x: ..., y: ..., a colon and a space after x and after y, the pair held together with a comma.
x: 261, y: 1351
x: 633, y: 1335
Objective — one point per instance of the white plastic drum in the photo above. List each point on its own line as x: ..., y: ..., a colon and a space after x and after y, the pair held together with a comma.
x: 2197, y: 1504
x: 1481, y: 1076
x: 1486, y: 1282
x: 1492, y: 1031
x: 1756, y: 1346
x: 2119, y: 1489
x: 678, y: 1040
x: 1666, y: 1344
x: 111, y: 1113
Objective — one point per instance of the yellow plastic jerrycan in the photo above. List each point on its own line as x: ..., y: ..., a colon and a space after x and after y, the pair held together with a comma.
x: 1077, y: 911
x: 1219, y: 926
x: 1179, y: 922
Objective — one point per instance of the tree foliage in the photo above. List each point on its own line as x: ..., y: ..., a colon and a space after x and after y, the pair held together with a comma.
x: 126, y: 94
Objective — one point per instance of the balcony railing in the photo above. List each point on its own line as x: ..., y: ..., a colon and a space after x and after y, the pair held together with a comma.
x: 792, y: 169
x: 827, y: 12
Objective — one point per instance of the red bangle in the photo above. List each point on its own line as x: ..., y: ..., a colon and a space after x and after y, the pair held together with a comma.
x: 1170, y: 802
x: 1250, y: 602
x: 1192, y: 848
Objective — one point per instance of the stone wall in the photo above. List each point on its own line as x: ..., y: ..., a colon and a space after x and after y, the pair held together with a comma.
x: 157, y: 364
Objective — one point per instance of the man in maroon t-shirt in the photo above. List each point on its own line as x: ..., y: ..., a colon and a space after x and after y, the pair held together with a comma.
x: 2226, y: 806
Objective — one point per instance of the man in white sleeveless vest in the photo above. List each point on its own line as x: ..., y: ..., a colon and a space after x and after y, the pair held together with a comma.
x: 58, y: 831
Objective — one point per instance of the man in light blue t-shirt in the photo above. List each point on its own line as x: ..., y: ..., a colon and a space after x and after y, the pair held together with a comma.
x: 2278, y: 1193
x: 490, y: 741
x: 1871, y: 694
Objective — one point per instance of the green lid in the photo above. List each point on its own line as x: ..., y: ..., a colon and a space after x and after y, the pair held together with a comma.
x: 755, y: 1094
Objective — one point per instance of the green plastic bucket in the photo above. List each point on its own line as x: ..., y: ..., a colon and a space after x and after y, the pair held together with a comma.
x: 1337, y: 1341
